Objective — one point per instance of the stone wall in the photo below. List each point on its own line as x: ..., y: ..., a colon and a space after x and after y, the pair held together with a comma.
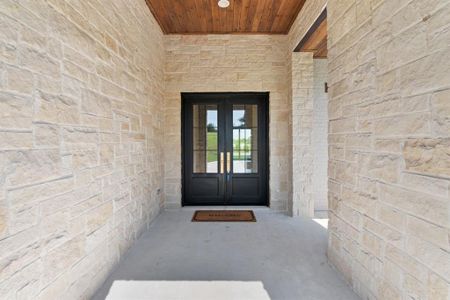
x: 80, y: 134
x: 86, y: 97
x: 301, y: 102
x: 320, y: 137
x: 302, y: 111
x: 228, y: 63
x: 389, y: 166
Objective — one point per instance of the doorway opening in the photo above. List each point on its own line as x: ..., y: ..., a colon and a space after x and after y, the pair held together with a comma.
x: 225, y: 154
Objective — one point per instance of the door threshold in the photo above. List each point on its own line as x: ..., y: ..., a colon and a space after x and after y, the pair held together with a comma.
x: 225, y: 207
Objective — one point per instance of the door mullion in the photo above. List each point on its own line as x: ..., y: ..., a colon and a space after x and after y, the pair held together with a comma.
x: 222, y: 147
x: 229, y: 149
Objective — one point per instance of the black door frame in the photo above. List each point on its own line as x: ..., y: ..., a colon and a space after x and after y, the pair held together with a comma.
x: 266, y: 164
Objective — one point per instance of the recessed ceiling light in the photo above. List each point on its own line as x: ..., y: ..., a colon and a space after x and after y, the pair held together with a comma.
x: 223, y: 3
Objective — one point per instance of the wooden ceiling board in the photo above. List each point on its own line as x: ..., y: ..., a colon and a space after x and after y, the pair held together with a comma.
x: 242, y: 16
x: 322, y: 50
x: 316, y: 38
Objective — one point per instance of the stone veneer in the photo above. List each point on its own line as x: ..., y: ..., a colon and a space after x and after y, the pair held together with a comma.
x: 320, y: 137
x: 228, y: 63
x: 86, y: 99
x: 389, y: 168
x: 301, y: 168
x: 309, y: 121
x: 302, y: 111
x: 80, y: 141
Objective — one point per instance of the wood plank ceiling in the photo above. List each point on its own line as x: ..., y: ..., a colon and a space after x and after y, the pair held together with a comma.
x: 242, y: 16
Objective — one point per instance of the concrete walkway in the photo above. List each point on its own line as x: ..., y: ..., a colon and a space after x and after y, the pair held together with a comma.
x: 287, y: 255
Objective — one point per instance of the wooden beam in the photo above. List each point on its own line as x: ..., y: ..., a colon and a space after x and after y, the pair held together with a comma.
x: 315, y: 34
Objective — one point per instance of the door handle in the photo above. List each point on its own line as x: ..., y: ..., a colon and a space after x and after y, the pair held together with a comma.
x: 228, y: 162
x: 222, y: 162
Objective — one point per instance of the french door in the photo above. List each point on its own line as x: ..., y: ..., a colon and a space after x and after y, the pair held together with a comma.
x: 225, y: 148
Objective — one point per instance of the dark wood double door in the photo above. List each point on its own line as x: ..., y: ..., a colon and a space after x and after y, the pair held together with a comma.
x: 225, y: 148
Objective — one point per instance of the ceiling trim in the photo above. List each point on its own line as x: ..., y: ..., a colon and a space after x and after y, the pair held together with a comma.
x: 322, y: 17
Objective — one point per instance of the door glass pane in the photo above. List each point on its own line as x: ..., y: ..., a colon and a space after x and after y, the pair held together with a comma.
x: 205, y: 138
x: 245, y: 139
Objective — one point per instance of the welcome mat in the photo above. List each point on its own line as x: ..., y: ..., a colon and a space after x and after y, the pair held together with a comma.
x: 224, y: 216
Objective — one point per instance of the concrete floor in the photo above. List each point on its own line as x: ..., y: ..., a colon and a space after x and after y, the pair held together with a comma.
x: 286, y: 254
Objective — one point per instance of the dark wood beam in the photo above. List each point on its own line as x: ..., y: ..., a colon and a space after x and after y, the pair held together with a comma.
x: 316, y: 38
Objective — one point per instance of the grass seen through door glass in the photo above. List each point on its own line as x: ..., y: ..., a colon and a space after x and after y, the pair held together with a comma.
x: 212, y: 146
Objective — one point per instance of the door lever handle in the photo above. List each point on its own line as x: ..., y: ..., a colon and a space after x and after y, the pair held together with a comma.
x: 228, y: 162
x: 222, y: 162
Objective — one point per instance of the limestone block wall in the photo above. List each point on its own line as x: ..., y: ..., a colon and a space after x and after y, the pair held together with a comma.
x: 302, y: 111
x: 301, y: 102
x: 320, y: 137
x: 389, y: 166
x: 228, y: 63
x: 81, y: 85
